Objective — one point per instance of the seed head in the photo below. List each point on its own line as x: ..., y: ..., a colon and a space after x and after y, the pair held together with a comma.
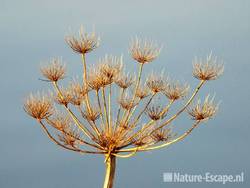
x: 144, y: 51
x: 175, y: 91
x: 77, y: 93
x: 124, y: 80
x: 207, y: 69
x: 162, y: 135
x: 65, y: 97
x: 154, y: 112
x: 126, y: 102
x: 143, y: 138
x: 142, y: 92
x: 38, y: 106
x: 60, y: 121
x: 203, y: 111
x: 110, y: 67
x: 85, y: 43
x: 96, y: 80
x: 156, y: 83
x: 70, y: 137
x: 91, y: 115
x: 55, y: 71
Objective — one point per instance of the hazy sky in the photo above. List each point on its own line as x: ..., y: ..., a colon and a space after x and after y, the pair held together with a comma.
x: 33, y: 31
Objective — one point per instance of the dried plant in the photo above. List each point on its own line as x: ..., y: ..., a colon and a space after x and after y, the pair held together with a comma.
x: 95, y: 124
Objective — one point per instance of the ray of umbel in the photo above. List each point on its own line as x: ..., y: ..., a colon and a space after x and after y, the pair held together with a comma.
x: 93, y: 122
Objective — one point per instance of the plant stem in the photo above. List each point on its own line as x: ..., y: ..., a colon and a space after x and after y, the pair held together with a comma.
x: 110, y: 172
x: 105, y: 109
x: 110, y: 117
x: 129, y: 114
x: 85, y: 83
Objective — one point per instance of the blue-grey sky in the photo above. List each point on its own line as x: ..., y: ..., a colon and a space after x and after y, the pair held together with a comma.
x: 33, y: 31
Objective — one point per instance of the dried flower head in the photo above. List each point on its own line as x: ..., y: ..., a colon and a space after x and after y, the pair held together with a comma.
x: 144, y: 51
x: 60, y: 121
x: 126, y: 102
x: 175, y: 90
x: 156, y: 83
x: 205, y: 110
x: 142, y: 92
x: 154, y: 112
x: 207, y: 69
x: 96, y: 80
x: 110, y: 67
x: 38, y: 106
x: 70, y: 137
x: 65, y: 97
x: 55, y: 71
x: 124, y: 80
x: 85, y: 43
x: 91, y: 115
x: 143, y: 139
x: 162, y: 135
x: 76, y: 93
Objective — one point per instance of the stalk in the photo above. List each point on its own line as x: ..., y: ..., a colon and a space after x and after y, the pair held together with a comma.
x: 85, y: 82
x: 110, y: 117
x: 129, y: 114
x: 105, y: 109
x: 110, y: 172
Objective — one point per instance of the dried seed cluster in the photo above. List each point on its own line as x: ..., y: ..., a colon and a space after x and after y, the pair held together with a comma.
x: 38, y: 106
x: 104, y: 112
x: 208, y: 69
x: 144, y: 51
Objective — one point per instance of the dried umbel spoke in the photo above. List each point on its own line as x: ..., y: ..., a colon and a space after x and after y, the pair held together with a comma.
x: 123, y: 126
x: 124, y: 80
x: 205, y: 110
x: 144, y: 51
x: 85, y: 43
x: 156, y: 83
x: 54, y: 71
x: 106, y: 109
x: 38, y: 106
x: 175, y: 90
x: 208, y: 69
